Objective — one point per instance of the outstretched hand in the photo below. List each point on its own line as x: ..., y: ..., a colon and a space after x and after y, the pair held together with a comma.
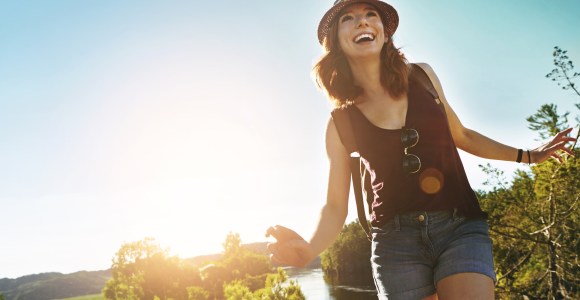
x: 290, y: 248
x: 555, y: 148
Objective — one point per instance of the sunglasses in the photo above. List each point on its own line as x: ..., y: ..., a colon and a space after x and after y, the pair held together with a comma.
x: 411, y: 162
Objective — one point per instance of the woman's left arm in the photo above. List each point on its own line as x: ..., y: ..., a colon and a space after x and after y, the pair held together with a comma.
x: 477, y: 144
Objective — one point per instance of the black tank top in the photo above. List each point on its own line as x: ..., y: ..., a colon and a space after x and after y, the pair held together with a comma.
x: 440, y: 184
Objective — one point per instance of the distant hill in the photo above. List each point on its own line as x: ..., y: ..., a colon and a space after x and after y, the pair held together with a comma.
x: 47, y: 286
x: 54, y: 285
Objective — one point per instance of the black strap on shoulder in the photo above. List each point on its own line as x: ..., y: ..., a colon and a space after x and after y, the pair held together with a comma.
x: 421, y: 76
x: 343, y: 125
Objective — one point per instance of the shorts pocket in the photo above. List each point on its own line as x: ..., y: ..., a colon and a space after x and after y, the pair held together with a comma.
x: 383, y: 230
x: 458, y: 219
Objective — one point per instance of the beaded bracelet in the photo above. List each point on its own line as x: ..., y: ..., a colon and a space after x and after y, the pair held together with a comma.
x: 529, y: 157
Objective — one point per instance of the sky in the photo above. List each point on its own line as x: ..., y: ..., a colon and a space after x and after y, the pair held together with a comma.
x: 185, y: 120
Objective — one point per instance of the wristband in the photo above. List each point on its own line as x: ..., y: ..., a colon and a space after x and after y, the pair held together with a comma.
x: 519, y: 159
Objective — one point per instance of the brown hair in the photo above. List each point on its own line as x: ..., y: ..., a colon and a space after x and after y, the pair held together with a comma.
x: 333, y: 73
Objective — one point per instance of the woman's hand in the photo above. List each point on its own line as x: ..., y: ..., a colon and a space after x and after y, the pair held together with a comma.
x: 551, y: 148
x: 290, y: 248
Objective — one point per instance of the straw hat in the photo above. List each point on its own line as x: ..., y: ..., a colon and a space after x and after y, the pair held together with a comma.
x: 388, y: 15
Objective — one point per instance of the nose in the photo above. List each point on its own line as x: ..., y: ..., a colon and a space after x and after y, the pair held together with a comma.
x: 361, y: 21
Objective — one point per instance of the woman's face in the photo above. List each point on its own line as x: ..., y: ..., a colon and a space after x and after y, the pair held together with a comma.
x: 360, y: 31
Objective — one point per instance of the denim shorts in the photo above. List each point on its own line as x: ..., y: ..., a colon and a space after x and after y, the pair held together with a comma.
x: 412, y: 252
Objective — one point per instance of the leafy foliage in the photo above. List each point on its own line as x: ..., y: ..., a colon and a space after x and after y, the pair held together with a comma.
x: 564, y: 71
x: 274, y: 289
x: 547, y: 122
x: 534, y: 222
x: 347, y: 260
x: 237, y: 264
x: 564, y: 75
x: 87, y: 297
x: 197, y: 293
x: 534, y: 226
x: 142, y: 270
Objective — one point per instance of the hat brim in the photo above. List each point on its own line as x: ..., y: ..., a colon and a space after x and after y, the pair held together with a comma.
x: 388, y: 14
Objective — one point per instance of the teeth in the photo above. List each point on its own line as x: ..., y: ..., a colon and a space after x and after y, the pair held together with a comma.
x: 364, y: 35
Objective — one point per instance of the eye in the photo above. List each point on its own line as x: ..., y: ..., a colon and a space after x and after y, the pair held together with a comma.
x: 346, y: 18
x: 372, y: 13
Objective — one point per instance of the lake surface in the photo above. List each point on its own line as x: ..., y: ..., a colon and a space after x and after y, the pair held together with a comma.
x: 314, y: 287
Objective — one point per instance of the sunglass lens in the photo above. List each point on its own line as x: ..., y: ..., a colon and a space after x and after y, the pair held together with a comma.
x: 411, y: 163
x: 409, y: 138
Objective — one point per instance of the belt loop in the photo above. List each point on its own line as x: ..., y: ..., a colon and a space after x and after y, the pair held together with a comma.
x: 397, y: 223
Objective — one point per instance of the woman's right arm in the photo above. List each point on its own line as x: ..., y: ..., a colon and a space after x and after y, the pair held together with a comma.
x: 335, y: 210
x: 290, y: 248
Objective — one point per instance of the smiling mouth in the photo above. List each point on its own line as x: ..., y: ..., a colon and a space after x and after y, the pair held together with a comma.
x: 365, y: 37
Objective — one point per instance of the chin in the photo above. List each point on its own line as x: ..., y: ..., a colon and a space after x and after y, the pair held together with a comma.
x: 367, y: 54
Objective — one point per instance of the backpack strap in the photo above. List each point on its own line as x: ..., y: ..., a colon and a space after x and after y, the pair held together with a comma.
x: 343, y: 125
x: 421, y: 76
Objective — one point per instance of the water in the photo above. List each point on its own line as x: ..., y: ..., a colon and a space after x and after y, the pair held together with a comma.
x: 314, y: 287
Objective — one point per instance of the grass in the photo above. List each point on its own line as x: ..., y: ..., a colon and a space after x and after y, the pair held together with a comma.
x: 87, y: 297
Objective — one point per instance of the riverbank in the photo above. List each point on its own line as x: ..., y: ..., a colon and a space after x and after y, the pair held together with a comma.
x: 314, y: 286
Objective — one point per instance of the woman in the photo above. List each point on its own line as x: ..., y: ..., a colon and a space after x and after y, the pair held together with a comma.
x: 430, y: 237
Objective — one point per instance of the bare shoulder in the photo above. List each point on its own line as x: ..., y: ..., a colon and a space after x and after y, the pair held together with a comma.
x: 332, y: 137
x: 334, y: 147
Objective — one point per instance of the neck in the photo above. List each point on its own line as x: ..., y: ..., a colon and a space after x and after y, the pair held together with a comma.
x: 367, y: 75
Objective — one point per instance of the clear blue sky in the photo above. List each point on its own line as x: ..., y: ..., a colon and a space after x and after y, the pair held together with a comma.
x: 183, y: 120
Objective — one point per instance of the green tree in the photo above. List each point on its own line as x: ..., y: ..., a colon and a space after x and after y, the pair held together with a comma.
x: 232, y: 244
x: 533, y: 224
x: 2, y: 297
x: 197, y: 293
x: 276, y: 288
x: 547, y: 122
x: 236, y: 290
x: 346, y: 261
x: 236, y: 264
x: 142, y: 270
x: 534, y: 218
x: 564, y: 75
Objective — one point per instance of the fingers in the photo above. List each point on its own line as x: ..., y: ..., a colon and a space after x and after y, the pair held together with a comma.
x: 562, y: 136
x: 557, y: 141
x: 568, y: 151
x: 557, y: 157
x: 557, y: 144
x: 285, y: 254
x: 282, y: 233
x: 270, y: 231
x: 566, y: 131
x: 563, y: 133
x: 290, y: 253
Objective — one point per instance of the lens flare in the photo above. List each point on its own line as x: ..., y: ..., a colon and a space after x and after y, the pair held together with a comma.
x: 431, y: 181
